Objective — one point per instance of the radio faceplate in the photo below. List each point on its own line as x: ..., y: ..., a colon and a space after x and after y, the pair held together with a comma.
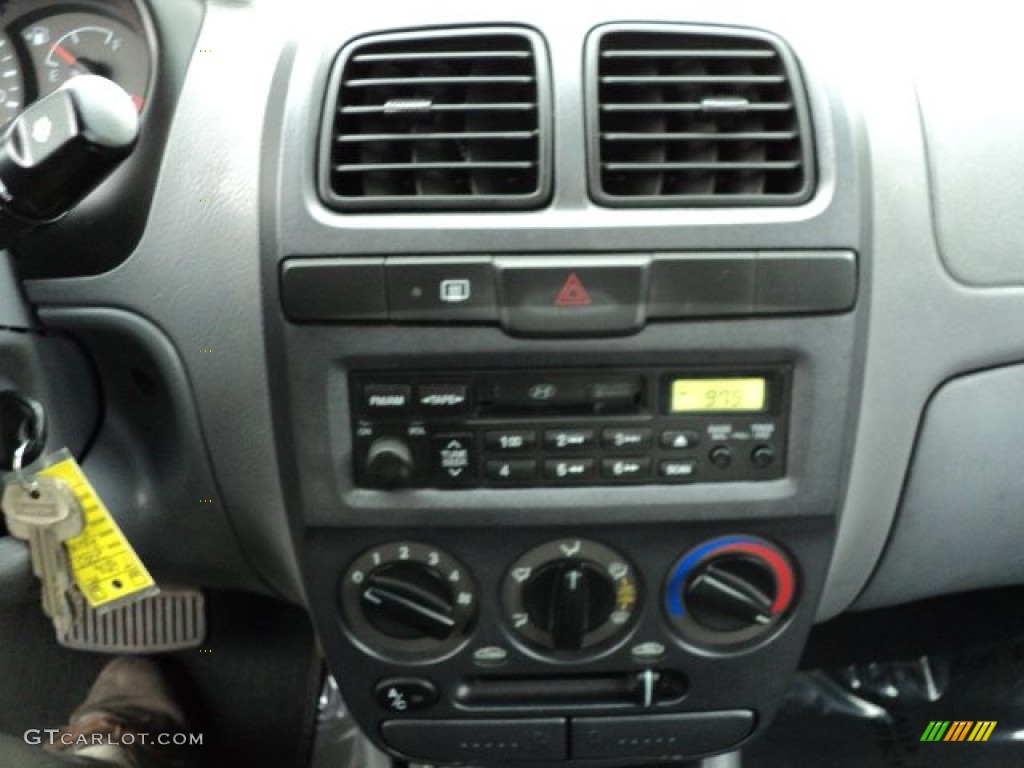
x: 542, y: 428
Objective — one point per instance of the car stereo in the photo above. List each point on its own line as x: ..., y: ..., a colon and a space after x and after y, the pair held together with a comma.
x: 534, y: 428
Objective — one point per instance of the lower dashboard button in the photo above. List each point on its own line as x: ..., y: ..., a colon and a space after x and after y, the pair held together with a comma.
x: 626, y: 468
x: 405, y: 694
x: 511, y: 440
x: 546, y: 296
x: 512, y: 471
x: 678, y: 440
x: 469, y: 741
x: 424, y: 290
x: 454, y: 462
x: 681, y: 469
x: 442, y: 399
x: 568, y: 439
x: 568, y: 470
x: 655, y: 737
x: 626, y: 439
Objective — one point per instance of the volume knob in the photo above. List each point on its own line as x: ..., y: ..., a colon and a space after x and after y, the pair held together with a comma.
x: 389, y: 463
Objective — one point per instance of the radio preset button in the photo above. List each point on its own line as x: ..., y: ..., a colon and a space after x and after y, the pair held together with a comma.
x: 442, y: 398
x: 387, y: 398
x: 511, y: 440
x: 568, y: 439
x: 626, y: 468
x: 626, y: 439
x: 677, y: 440
x: 568, y: 470
x: 678, y: 469
x: 511, y: 471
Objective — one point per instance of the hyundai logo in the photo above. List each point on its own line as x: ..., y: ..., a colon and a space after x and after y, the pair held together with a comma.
x: 542, y: 391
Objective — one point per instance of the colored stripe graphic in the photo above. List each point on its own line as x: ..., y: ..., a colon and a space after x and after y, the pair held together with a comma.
x: 982, y: 730
x: 958, y: 731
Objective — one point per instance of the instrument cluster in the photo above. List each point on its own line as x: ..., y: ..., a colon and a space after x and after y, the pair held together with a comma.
x: 44, y: 44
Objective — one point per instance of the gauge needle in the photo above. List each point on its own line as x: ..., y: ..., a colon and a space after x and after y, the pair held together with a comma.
x: 65, y: 56
x: 77, y: 65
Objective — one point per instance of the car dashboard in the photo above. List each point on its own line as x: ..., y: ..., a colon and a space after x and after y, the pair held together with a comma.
x: 568, y: 368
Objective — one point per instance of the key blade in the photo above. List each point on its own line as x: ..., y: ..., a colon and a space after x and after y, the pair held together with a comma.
x: 46, y: 513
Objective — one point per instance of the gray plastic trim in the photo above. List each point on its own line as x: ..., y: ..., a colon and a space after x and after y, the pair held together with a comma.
x: 959, y: 526
x: 196, y: 272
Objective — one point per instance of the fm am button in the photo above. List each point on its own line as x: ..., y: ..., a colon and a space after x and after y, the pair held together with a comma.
x: 562, y: 296
x: 387, y: 398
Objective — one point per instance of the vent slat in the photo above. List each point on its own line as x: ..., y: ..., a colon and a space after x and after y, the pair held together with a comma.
x: 671, y: 53
x: 483, y: 136
x: 438, y: 119
x: 696, y: 116
x: 384, y: 82
x: 710, y: 166
x: 693, y: 79
x: 372, y: 58
x: 702, y: 136
x: 380, y: 109
x: 453, y: 166
x: 782, y: 106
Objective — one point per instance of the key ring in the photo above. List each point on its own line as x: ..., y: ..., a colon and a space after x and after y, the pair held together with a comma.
x: 29, y: 484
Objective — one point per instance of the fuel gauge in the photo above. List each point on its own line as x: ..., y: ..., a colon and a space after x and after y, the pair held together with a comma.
x: 72, y: 44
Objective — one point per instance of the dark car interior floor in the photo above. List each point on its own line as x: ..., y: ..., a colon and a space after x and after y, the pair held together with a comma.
x: 252, y: 688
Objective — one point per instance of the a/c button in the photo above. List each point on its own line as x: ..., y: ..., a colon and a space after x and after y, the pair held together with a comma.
x: 405, y: 694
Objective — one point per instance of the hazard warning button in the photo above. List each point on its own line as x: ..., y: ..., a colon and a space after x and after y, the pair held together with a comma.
x: 553, y: 296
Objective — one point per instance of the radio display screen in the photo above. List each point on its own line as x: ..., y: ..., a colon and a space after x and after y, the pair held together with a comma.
x: 708, y: 395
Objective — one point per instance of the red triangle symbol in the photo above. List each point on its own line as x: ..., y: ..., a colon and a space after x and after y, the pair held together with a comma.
x: 573, y: 294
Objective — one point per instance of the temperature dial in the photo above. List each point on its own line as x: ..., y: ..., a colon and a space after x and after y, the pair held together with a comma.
x: 408, y: 600
x: 570, y: 595
x: 729, y: 591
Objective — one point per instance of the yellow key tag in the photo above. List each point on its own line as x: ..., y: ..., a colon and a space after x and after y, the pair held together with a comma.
x: 105, y: 567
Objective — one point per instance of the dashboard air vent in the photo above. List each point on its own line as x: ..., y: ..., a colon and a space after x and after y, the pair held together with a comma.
x: 444, y: 119
x: 696, y: 116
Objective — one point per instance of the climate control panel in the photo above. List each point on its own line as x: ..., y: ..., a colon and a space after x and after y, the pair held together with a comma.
x: 503, y: 429
x: 567, y: 642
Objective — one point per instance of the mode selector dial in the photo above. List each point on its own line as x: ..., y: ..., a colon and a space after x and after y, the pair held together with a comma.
x: 408, y: 600
x: 570, y: 595
x: 568, y: 600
